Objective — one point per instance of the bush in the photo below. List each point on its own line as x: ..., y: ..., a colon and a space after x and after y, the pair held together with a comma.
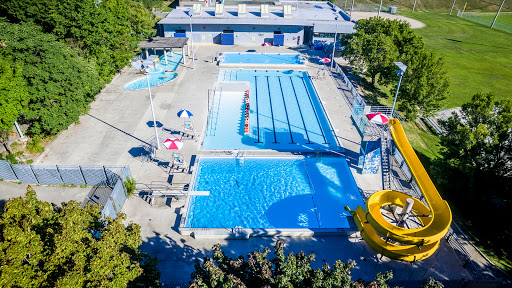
x: 130, y: 186
x: 34, y: 145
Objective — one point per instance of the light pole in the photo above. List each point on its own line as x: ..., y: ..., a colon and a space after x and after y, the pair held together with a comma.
x: 144, y: 66
x: 400, y: 73
x: 452, y: 7
x: 494, y: 21
x: 334, y: 46
x: 192, y: 41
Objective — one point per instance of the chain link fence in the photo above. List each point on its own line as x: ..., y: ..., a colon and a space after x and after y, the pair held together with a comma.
x: 486, y: 20
x: 363, y: 7
x: 55, y: 175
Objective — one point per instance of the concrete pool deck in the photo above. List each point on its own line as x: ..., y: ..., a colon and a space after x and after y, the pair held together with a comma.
x: 119, y: 124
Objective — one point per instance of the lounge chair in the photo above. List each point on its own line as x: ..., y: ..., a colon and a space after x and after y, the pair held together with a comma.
x: 189, y: 129
x: 178, y: 162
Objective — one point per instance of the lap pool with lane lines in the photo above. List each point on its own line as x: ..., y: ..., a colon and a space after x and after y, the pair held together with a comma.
x: 287, y: 192
x: 262, y: 58
x: 285, y: 114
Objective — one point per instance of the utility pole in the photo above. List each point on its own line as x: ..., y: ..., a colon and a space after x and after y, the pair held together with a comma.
x: 494, y: 21
x: 334, y: 46
x: 452, y: 7
x: 380, y: 7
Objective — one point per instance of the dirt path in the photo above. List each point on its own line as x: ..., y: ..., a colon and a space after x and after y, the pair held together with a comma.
x: 364, y: 15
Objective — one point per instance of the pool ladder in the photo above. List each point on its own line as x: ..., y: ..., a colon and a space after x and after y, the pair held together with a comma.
x: 214, y: 111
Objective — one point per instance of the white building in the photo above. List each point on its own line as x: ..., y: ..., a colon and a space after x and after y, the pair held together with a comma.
x: 288, y: 23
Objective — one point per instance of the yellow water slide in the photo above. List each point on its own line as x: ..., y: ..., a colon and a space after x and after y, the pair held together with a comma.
x: 397, y: 242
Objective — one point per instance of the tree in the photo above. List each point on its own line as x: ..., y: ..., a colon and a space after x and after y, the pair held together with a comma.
x: 13, y: 94
x: 479, y: 141
x: 378, y: 42
x: 108, y: 31
x: 281, y: 271
x: 424, y: 86
x: 42, y: 245
x: 61, y: 84
x: 371, y: 54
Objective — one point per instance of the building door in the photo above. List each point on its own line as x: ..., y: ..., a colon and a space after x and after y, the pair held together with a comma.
x: 278, y: 38
x: 228, y: 37
x: 180, y: 34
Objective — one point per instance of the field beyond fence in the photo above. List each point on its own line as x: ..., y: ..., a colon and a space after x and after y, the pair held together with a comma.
x: 503, y: 22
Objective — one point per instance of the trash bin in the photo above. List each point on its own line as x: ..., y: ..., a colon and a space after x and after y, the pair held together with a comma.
x: 393, y: 9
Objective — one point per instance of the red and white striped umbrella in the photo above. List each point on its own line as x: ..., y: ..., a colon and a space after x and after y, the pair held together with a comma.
x: 378, y: 118
x: 325, y: 60
x: 266, y: 44
x: 173, y: 144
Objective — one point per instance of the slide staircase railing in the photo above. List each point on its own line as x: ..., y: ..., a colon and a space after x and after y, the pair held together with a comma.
x: 384, y: 150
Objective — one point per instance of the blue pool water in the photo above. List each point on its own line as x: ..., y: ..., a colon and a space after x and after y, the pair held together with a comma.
x: 262, y: 58
x: 273, y: 193
x: 155, y: 79
x: 157, y: 73
x: 285, y: 114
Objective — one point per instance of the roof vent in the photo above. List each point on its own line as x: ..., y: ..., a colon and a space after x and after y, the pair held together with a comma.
x: 219, y: 10
x: 242, y: 10
x: 287, y: 11
x: 264, y: 11
x: 197, y: 9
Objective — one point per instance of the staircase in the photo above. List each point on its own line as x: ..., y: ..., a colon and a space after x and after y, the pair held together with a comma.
x: 385, y: 166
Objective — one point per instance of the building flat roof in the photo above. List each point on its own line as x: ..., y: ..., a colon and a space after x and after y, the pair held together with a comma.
x: 322, y: 15
x: 163, y: 42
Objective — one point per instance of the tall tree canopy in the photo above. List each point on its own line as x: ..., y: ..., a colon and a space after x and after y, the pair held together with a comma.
x: 479, y: 141
x: 378, y: 42
x: 60, y: 83
x: 108, y: 31
x: 424, y: 86
x: 477, y: 170
x: 13, y: 94
x: 293, y: 270
x: 42, y: 245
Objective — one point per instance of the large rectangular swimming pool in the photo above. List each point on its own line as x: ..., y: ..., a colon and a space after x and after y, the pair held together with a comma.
x: 285, y: 114
x: 287, y: 192
x: 262, y: 58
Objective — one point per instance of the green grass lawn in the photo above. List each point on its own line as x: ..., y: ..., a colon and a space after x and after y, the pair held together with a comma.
x: 505, y: 18
x: 477, y: 58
